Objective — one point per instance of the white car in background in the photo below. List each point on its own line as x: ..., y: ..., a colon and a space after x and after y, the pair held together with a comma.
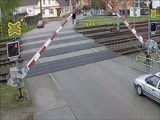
x: 148, y: 85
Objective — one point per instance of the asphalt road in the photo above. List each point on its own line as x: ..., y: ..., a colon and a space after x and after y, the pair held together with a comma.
x: 104, y: 90
x: 70, y: 62
x: 38, y: 43
x: 64, y: 50
x: 94, y: 85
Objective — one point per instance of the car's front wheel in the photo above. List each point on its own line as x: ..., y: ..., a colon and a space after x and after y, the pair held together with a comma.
x: 139, y: 90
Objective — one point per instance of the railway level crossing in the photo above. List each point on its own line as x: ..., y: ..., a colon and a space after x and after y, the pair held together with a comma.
x: 21, y: 73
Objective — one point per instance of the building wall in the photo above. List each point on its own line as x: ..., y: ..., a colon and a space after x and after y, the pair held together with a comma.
x: 86, y: 2
x: 50, y: 8
x: 122, y: 4
x: 155, y: 3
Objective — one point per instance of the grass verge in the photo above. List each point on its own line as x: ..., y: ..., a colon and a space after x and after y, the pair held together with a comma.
x: 24, y: 29
x: 11, y: 107
x: 102, y: 20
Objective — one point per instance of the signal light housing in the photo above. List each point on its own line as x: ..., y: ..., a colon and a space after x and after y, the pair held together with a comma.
x: 13, y: 49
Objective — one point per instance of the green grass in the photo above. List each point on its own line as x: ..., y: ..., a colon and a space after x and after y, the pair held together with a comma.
x: 28, y: 28
x: 24, y: 30
x: 102, y: 20
x: 8, y: 101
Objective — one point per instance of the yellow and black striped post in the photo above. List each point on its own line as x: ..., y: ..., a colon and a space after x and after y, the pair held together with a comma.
x: 20, y: 92
x: 1, y: 30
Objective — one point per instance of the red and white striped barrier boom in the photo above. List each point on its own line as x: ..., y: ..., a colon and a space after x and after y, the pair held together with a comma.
x: 23, y: 72
x: 138, y: 36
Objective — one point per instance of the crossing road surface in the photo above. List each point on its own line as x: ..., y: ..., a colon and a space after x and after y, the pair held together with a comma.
x: 77, y: 78
x: 104, y: 90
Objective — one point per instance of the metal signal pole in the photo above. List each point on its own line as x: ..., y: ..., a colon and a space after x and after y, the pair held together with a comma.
x: 0, y: 12
x: 118, y: 20
x: 149, y: 19
x: 0, y: 20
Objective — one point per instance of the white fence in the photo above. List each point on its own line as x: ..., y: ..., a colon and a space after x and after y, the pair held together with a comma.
x: 147, y: 65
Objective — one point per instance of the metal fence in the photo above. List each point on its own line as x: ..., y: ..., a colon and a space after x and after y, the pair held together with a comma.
x: 147, y: 65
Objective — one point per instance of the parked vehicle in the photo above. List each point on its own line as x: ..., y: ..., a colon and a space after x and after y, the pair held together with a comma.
x: 148, y: 85
x: 40, y: 24
x: 84, y: 13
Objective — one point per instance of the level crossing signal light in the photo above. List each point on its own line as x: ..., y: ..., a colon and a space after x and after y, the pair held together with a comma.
x: 13, y: 49
x: 153, y: 27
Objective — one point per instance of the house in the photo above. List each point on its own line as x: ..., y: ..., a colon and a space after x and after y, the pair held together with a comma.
x: 27, y: 7
x: 84, y: 3
x: 124, y: 5
x: 50, y: 8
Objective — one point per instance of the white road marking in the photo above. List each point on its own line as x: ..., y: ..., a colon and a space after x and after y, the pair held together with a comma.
x: 34, y: 117
x: 83, y: 42
x: 94, y: 49
x: 55, y: 81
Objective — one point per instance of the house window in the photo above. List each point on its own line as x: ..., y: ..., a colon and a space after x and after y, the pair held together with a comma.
x: 49, y: 1
x: 44, y: 1
x: 51, y: 11
x: 43, y: 11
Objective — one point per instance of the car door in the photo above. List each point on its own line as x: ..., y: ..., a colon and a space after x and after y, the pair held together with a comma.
x: 158, y: 91
x: 151, y: 87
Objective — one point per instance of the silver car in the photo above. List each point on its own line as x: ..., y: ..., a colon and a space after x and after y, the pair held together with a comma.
x: 148, y: 85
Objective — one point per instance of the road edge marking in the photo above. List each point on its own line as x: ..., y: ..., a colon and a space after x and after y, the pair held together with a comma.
x: 94, y: 49
x: 54, y: 80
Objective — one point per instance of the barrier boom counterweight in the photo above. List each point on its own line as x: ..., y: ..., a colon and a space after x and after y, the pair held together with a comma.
x: 23, y: 72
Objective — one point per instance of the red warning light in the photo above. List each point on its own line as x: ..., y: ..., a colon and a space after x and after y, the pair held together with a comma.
x: 16, y: 45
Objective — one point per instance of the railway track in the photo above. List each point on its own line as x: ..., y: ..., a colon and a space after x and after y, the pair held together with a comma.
x: 5, y: 63
x: 130, y: 46
x: 123, y: 41
x: 126, y: 44
x: 113, y: 34
x: 109, y: 28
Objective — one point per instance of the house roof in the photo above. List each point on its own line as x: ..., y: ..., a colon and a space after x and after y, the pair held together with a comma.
x: 28, y: 2
x: 62, y: 2
x: 67, y: 2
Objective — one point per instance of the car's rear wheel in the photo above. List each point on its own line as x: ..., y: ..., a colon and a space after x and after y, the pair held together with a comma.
x: 139, y: 90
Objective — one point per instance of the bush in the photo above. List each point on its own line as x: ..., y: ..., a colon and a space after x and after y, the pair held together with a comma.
x: 31, y: 20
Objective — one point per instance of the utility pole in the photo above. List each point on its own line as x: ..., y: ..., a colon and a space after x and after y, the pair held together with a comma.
x: 0, y: 12
x: 41, y: 10
x: 70, y: 6
x: 149, y: 19
x: 134, y: 2
x: 126, y: 12
x: 118, y: 20
x: 0, y: 20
